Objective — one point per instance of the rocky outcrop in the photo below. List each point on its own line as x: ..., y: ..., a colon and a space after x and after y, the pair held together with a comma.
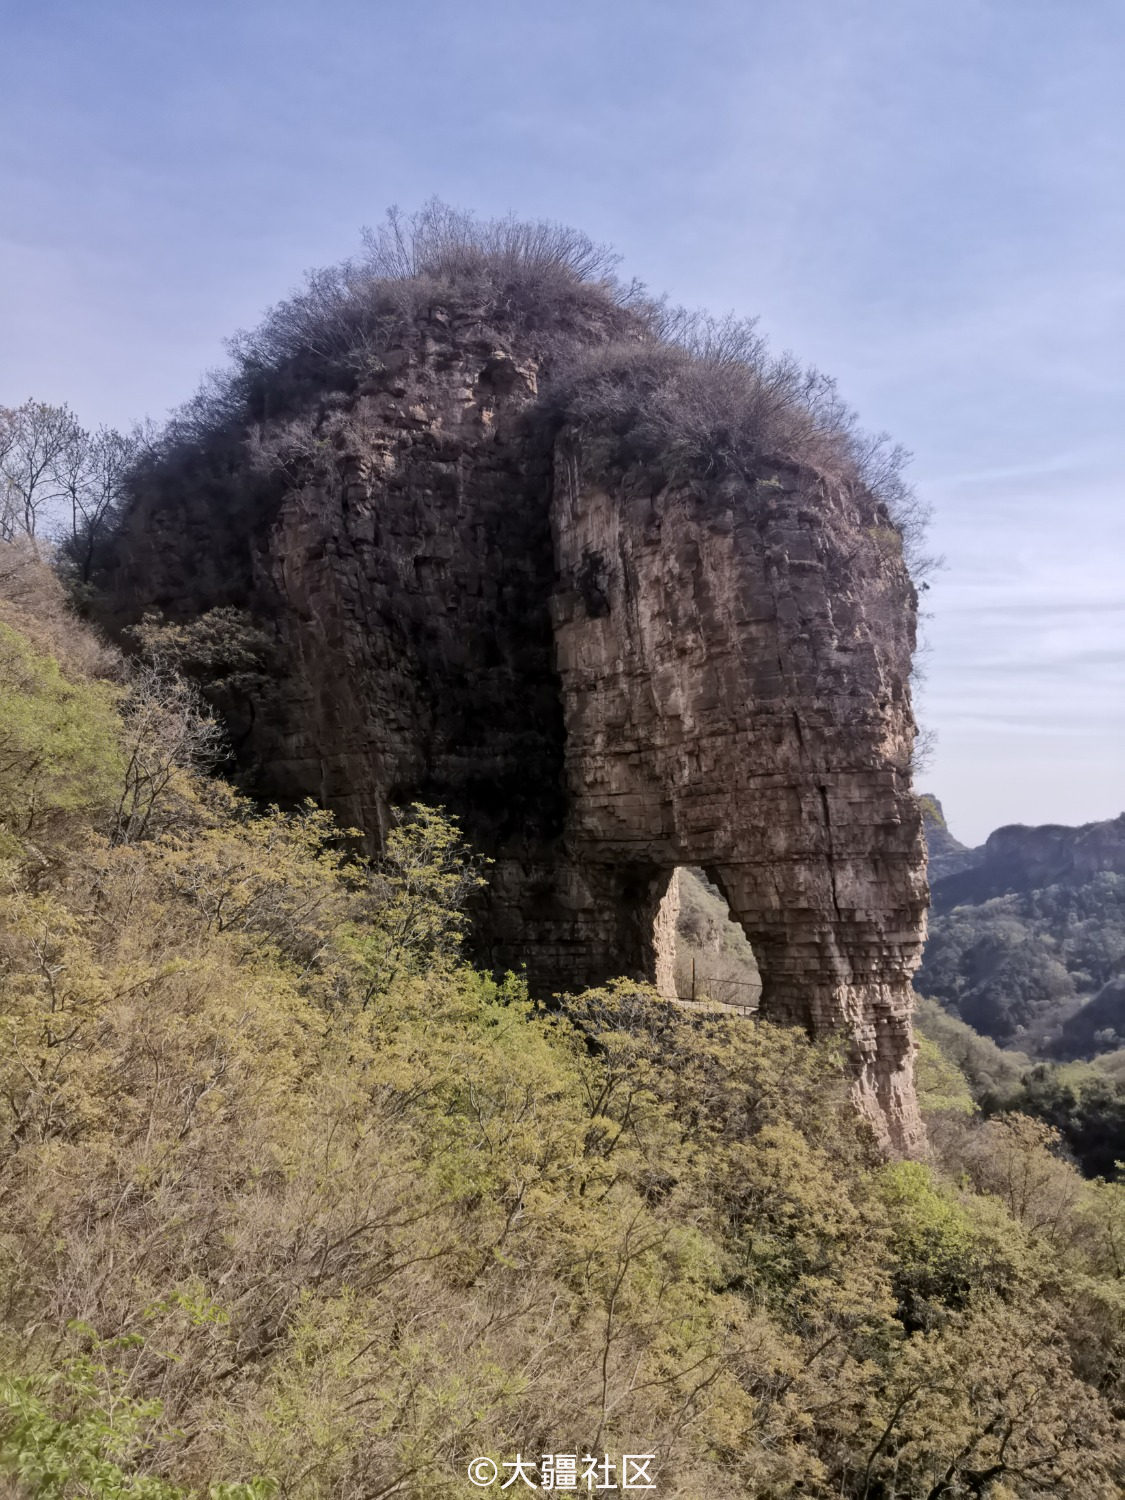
x: 1016, y: 859
x: 945, y: 855
x: 734, y: 687
x: 608, y: 667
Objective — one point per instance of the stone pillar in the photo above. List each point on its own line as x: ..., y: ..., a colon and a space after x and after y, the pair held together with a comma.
x: 664, y: 938
x: 734, y: 661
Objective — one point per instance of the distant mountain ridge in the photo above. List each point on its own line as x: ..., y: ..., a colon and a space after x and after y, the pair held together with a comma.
x: 1019, y: 858
x: 1027, y: 933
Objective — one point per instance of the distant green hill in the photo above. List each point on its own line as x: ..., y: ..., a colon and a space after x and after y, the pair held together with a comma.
x: 1027, y: 935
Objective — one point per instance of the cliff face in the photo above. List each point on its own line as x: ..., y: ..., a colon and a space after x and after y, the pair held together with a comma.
x: 735, y: 698
x: 605, y: 667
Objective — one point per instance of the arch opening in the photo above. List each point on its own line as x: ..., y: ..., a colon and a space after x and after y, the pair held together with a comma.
x: 702, y: 954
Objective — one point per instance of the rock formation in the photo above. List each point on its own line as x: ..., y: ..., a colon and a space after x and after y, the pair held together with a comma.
x: 608, y: 665
x: 945, y: 855
x: 1017, y: 858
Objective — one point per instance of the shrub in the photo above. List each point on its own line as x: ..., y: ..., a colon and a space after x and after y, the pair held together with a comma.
x: 695, y: 394
x: 292, y: 1195
x: 60, y: 753
x: 34, y: 601
x: 65, y: 1434
x: 165, y: 732
x: 702, y: 394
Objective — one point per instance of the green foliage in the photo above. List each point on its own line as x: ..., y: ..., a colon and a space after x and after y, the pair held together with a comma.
x: 931, y: 811
x: 222, y: 644
x: 988, y: 1070
x: 224, y: 653
x: 294, y: 1196
x: 77, y: 1454
x: 68, y: 1434
x: 887, y: 540
x: 60, y: 753
x: 1087, y: 1111
x: 422, y: 883
x: 1085, y: 1103
x: 950, y: 1248
x: 940, y: 1084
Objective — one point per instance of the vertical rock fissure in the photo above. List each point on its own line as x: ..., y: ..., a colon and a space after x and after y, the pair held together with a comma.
x: 830, y: 851
x: 797, y: 730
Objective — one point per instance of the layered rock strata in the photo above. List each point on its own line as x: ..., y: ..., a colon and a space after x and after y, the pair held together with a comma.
x: 607, y: 670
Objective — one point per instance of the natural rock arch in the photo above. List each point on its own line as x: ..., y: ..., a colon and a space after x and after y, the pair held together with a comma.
x: 607, y: 666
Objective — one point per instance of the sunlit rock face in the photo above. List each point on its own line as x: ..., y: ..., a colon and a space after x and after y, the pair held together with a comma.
x: 605, y: 669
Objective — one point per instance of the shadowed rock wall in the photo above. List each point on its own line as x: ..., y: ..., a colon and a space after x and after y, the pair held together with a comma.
x: 605, y: 671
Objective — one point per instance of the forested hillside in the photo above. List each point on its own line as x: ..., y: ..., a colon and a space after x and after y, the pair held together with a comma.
x: 1025, y: 949
x: 296, y: 1202
x: 1027, y: 935
x: 1039, y: 969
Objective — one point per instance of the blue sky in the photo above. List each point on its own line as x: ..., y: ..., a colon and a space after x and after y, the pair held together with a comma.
x: 925, y: 199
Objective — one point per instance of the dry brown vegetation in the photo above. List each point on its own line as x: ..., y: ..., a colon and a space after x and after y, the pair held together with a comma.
x: 701, y: 394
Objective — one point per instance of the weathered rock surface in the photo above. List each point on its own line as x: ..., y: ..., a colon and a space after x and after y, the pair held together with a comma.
x: 605, y: 669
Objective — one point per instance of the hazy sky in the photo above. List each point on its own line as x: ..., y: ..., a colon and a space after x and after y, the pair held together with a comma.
x: 924, y: 197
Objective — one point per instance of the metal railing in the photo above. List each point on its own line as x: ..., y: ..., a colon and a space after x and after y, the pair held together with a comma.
x: 705, y: 992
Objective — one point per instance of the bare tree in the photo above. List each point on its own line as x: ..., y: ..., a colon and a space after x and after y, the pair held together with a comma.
x: 35, y: 442
x: 91, y: 475
x: 167, y: 729
x: 59, y: 481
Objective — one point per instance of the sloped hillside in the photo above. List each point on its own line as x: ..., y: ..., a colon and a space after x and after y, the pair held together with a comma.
x: 714, y: 958
x: 294, y: 1201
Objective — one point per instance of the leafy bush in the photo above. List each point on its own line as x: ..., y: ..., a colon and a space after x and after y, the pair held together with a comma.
x: 1084, y: 1104
x: 293, y: 1196
x: 66, y: 1434
x: 1088, y: 1112
x: 60, y: 752
x: 988, y: 1070
x: 950, y: 1247
x: 940, y: 1083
